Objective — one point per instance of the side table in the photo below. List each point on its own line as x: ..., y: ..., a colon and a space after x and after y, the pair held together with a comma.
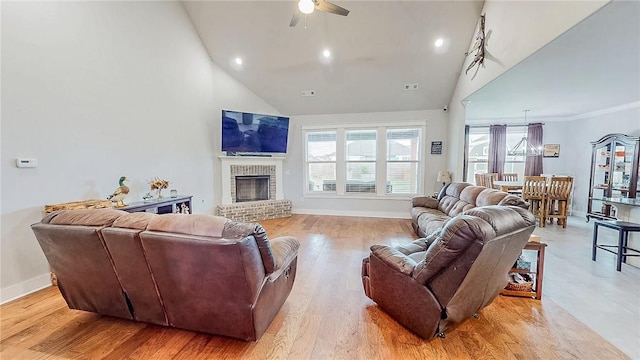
x: 536, y: 292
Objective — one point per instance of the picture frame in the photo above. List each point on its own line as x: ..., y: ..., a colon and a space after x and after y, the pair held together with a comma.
x: 436, y: 147
x: 551, y: 150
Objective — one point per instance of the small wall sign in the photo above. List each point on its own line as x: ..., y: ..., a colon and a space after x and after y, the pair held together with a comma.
x: 436, y: 147
x: 551, y: 150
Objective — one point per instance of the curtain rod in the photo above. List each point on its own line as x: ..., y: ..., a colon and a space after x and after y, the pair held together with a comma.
x: 487, y: 126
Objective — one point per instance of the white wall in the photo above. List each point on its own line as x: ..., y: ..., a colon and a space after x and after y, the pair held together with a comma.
x: 436, y: 130
x: 94, y: 91
x: 575, y: 149
x: 517, y: 29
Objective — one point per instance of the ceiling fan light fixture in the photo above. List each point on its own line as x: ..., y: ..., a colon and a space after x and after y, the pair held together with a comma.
x: 306, y: 6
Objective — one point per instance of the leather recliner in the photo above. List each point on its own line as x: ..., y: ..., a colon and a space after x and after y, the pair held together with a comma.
x: 195, y: 272
x: 435, y: 283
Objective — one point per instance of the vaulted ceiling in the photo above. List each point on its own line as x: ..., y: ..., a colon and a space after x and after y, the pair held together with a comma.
x: 383, y: 45
x: 593, y: 66
x: 375, y: 50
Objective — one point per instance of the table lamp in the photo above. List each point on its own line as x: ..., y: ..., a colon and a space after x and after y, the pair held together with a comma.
x: 444, y: 177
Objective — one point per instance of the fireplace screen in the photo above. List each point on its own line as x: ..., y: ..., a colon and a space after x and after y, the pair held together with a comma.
x: 252, y: 188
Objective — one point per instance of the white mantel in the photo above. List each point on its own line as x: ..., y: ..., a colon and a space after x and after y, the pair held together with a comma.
x: 228, y: 161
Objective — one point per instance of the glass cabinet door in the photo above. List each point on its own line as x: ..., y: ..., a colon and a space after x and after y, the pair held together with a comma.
x: 621, y: 169
x: 637, y: 185
x: 601, y: 178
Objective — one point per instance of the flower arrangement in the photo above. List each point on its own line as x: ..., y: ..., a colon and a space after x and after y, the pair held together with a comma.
x: 158, y: 184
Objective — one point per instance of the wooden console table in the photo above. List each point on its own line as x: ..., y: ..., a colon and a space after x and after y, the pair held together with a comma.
x: 536, y: 292
x: 166, y: 205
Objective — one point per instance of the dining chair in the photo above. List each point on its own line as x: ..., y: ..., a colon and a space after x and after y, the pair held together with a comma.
x: 534, y: 191
x: 489, y: 178
x: 510, y: 177
x: 558, y: 195
x: 480, y: 179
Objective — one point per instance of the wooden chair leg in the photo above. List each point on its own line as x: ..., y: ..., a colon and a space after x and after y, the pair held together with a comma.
x: 562, y: 206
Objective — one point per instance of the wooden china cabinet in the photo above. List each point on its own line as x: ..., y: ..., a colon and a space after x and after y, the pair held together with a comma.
x: 614, y: 173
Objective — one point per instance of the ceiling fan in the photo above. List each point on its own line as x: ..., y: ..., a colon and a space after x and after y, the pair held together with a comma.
x: 306, y: 7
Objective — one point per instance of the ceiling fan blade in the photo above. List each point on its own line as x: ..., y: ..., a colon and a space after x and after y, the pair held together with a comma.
x: 326, y: 6
x: 295, y: 18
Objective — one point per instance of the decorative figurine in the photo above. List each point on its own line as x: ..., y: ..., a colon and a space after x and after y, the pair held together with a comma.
x: 184, y: 208
x: 119, y: 194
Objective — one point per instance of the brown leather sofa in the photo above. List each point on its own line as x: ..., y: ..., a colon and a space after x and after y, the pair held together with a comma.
x: 433, y: 284
x: 196, y: 272
x: 429, y: 214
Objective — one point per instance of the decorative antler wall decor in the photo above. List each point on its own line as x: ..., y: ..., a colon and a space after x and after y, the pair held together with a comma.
x: 478, y: 46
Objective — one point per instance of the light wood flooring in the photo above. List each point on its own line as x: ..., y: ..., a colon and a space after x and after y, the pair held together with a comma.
x: 327, y: 315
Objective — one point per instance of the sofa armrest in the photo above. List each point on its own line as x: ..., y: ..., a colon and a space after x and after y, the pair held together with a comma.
x: 285, y: 249
x: 394, y: 259
x: 424, y: 201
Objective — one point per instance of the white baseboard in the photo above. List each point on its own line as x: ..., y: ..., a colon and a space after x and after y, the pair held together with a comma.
x: 24, y: 288
x: 582, y: 214
x: 374, y: 214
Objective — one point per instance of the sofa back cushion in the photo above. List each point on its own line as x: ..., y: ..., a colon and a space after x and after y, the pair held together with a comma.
x: 123, y: 243
x: 196, y: 224
x: 73, y: 245
x: 460, y: 197
x: 206, y: 283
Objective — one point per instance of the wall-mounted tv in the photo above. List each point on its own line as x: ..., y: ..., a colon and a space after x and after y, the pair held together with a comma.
x: 254, y: 133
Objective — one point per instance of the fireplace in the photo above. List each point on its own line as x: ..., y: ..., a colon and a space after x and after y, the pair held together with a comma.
x: 265, y: 173
x: 252, y: 188
x: 238, y: 166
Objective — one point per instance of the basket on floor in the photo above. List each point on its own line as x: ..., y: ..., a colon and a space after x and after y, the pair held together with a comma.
x: 520, y: 282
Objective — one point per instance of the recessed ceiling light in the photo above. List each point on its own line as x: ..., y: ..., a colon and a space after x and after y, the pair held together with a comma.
x: 239, y: 61
x: 439, y: 42
x: 326, y: 53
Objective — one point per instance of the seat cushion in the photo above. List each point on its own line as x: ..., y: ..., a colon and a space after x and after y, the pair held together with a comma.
x: 431, y: 220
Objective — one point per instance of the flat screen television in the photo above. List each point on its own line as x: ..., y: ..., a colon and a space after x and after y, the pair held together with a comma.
x: 254, y: 133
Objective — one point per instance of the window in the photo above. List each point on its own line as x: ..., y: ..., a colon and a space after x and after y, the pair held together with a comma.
x: 321, y: 160
x: 376, y: 161
x: 361, y: 161
x: 403, y: 150
x: 515, y: 164
x: 477, y: 156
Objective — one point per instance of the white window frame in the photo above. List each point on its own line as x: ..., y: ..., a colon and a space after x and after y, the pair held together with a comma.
x: 381, y: 160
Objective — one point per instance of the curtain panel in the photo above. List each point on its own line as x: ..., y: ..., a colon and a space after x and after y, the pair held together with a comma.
x: 497, y: 149
x: 533, y: 163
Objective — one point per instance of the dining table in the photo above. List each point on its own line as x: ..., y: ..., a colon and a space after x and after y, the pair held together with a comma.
x: 507, y: 186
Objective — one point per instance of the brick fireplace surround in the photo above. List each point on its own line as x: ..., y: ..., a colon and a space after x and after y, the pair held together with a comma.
x: 275, y: 207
